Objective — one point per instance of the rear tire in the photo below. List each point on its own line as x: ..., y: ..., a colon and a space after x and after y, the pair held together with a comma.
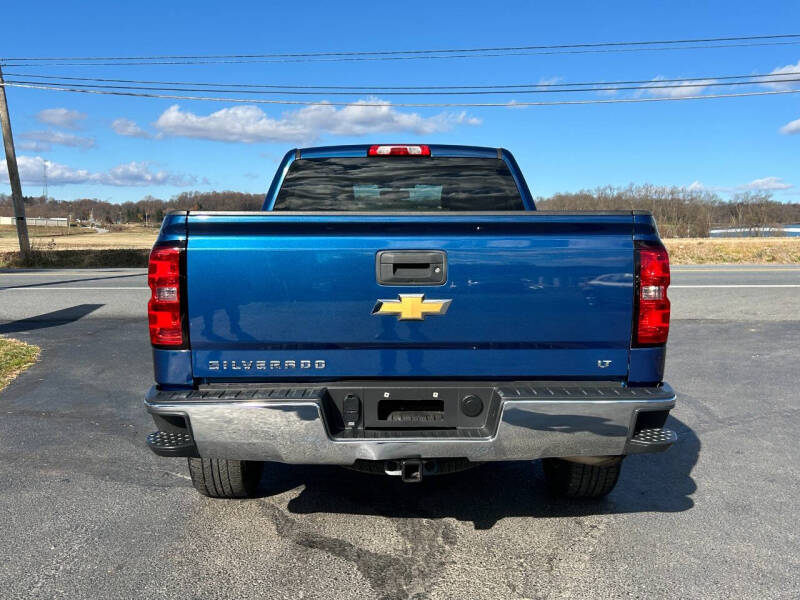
x: 219, y: 478
x: 578, y: 480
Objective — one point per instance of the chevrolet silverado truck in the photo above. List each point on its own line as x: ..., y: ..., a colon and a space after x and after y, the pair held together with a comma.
x: 405, y: 309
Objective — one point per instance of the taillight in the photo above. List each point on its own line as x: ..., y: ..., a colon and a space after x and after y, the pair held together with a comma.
x: 164, y: 307
x: 652, y: 317
x: 401, y: 150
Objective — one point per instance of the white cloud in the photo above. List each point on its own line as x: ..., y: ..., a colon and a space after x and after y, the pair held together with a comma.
x: 786, y: 72
x: 247, y: 124
x: 791, y: 127
x: 550, y: 80
x: 250, y: 124
x: 696, y: 186
x: 766, y: 184
x: 34, y: 146
x: 610, y: 93
x: 47, y: 138
x: 31, y: 170
x: 128, y: 128
x: 60, y: 117
x: 363, y: 118
x: 689, y: 88
x: 140, y: 173
x: 515, y: 105
x: 543, y: 82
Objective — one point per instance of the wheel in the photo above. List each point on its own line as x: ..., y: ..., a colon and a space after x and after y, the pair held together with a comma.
x: 580, y: 480
x: 219, y: 478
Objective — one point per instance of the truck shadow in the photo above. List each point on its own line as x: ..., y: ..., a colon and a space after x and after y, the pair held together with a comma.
x: 57, y: 282
x: 488, y: 493
x: 51, y: 319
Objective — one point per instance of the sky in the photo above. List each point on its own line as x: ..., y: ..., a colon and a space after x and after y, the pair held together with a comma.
x: 120, y: 149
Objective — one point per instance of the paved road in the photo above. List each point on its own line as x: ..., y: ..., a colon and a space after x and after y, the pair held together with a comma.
x: 86, y: 511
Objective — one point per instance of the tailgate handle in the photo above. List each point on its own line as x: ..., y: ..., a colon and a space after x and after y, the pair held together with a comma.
x: 411, y: 267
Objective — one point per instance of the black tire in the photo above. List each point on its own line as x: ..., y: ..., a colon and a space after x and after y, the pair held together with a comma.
x: 219, y: 478
x: 577, y: 480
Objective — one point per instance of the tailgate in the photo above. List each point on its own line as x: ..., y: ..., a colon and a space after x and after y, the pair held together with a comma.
x: 288, y: 295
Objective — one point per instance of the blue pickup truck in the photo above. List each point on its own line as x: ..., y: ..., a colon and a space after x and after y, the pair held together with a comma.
x: 405, y: 309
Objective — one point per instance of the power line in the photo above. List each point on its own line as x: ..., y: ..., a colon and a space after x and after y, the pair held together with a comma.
x: 214, y: 61
x: 367, y: 88
x: 403, y: 104
x: 549, y: 90
x: 426, y: 51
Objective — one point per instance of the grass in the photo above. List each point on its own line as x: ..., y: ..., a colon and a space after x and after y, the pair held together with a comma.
x: 81, y: 259
x: 34, y: 231
x: 131, y: 237
x: 698, y: 251
x: 15, y: 357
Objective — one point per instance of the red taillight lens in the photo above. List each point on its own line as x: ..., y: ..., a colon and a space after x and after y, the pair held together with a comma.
x: 399, y: 151
x: 164, y: 307
x: 652, y: 320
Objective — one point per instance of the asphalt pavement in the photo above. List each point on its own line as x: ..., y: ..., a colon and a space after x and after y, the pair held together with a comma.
x: 86, y: 511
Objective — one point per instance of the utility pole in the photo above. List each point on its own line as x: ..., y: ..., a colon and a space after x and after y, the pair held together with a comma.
x: 13, y: 175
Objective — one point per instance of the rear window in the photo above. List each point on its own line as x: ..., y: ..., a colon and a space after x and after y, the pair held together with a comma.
x: 399, y: 184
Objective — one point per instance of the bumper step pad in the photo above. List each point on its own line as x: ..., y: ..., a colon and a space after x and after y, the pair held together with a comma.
x: 171, y: 443
x: 651, y: 440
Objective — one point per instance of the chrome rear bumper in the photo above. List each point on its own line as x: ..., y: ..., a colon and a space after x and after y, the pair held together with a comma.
x: 534, y: 421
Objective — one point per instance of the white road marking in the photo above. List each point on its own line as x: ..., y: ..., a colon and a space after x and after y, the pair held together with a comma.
x: 740, y: 285
x: 40, y: 288
x: 775, y: 269
x: 51, y: 272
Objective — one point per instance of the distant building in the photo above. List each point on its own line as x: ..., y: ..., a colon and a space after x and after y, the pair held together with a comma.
x: 791, y: 230
x: 37, y: 221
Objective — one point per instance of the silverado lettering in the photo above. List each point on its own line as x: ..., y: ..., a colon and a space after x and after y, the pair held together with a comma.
x: 264, y: 365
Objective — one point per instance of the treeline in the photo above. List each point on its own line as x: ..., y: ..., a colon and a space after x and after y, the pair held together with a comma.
x: 148, y: 210
x: 679, y: 212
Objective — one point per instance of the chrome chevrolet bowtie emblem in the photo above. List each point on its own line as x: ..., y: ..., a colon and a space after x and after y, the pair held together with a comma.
x: 411, y: 307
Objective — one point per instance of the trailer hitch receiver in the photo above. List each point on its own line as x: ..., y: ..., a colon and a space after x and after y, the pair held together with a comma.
x: 408, y: 469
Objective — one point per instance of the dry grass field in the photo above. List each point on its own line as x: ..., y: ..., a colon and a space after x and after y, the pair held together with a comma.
x: 132, y: 237
x: 695, y: 251
x: 104, y: 249
x: 9, y: 232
